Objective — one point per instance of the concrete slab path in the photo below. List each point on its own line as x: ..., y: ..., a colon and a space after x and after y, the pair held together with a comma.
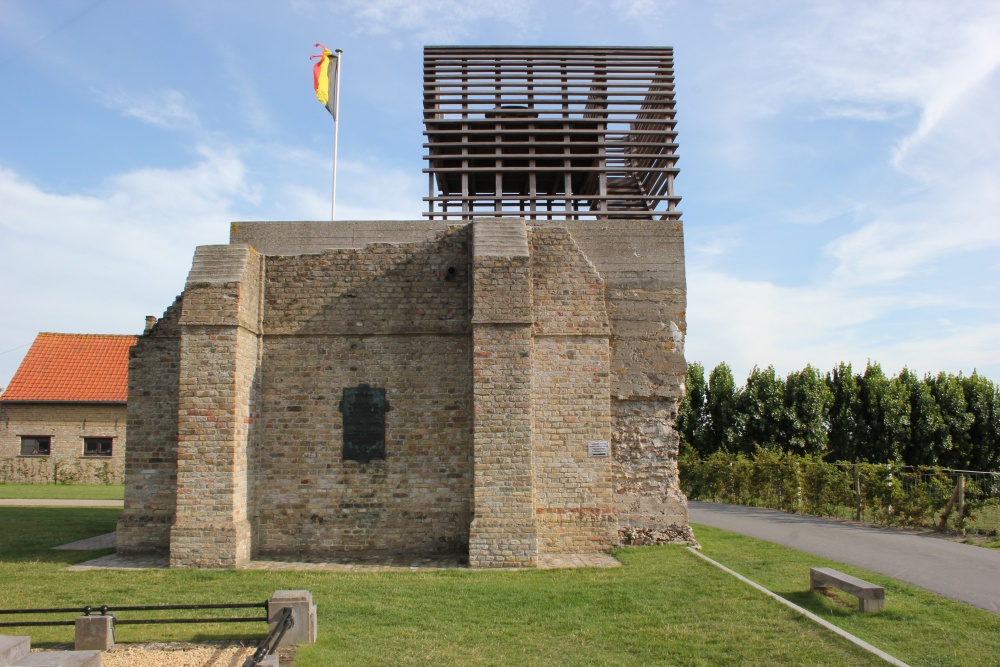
x: 959, y: 571
x: 51, y: 502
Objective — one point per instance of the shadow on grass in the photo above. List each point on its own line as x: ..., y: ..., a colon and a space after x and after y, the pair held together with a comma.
x: 29, y: 534
x: 838, y: 605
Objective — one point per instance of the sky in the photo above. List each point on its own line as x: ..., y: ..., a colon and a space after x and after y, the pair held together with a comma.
x: 840, y: 160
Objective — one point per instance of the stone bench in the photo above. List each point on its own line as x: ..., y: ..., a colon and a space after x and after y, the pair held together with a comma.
x: 870, y: 597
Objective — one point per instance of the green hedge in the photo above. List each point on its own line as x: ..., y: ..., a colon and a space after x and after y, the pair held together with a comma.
x: 890, y: 494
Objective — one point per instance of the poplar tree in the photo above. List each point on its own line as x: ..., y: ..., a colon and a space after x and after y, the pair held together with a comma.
x: 845, y: 414
x: 762, y: 410
x: 807, y: 406
x: 722, y: 408
x: 982, y: 401
x: 691, y: 412
x: 950, y: 397
x: 885, y: 411
x: 927, y: 429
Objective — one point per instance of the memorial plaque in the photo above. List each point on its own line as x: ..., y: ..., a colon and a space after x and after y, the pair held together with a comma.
x: 599, y: 448
x: 364, y: 411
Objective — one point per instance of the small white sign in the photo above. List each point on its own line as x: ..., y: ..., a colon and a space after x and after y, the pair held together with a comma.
x: 599, y: 448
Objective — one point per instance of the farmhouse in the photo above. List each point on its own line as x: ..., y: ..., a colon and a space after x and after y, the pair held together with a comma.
x: 497, y: 381
x: 62, y: 418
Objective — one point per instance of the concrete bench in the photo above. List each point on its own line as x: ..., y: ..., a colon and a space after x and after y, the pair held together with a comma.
x: 16, y: 652
x: 870, y: 597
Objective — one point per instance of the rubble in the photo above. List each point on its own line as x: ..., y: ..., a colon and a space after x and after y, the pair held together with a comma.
x: 672, y: 534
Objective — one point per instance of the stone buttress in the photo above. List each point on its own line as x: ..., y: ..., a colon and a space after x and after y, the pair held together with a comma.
x: 219, y: 359
x: 503, y: 529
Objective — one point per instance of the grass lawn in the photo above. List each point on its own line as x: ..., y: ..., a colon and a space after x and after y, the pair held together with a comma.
x: 63, y: 491
x: 984, y: 526
x: 665, y: 606
x: 917, y: 626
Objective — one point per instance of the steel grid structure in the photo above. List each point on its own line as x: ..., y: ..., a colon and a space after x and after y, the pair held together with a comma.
x: 550, y: 132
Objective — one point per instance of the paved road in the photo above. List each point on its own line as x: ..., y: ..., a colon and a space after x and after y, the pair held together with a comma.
x: 959, y: 571
x: 41, y: 502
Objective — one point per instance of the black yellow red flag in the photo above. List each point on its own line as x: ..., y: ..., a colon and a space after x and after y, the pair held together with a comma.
x: 325, y: 73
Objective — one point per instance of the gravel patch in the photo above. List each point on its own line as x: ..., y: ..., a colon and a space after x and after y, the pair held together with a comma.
x: 182, y: 654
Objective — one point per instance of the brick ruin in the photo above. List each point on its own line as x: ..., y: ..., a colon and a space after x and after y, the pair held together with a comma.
x: 507, y: 351
x: 498, y: 382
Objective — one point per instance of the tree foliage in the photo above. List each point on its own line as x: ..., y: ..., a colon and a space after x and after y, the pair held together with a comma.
x: 943, y: 420
x: 808, y: 400
x: 692, y: 411
x: 722, y: 415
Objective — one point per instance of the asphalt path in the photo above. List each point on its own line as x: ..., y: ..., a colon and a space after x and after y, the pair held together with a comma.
x: 959, y: 571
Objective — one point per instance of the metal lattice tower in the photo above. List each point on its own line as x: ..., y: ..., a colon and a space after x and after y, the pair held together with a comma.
x: 550, y: 132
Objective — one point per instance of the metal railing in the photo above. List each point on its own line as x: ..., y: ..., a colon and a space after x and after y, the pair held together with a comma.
x: 282, y: 622
x: 104, y: 610
x: 883, y: 493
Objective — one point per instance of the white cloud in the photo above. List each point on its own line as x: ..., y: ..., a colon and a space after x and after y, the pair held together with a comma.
x: 165, y: 107
x: 876, y: 61
x: 747, y: 323
x: 99, y: 262
x: 908, y: 254
x: 953, y: 209
x: 379, y: 192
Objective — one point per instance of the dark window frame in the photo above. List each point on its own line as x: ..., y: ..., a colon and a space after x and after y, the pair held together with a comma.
x: 41, y: 445
x: 98, y: 447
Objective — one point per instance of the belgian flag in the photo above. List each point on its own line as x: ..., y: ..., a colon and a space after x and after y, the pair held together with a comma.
x: 325, y: 73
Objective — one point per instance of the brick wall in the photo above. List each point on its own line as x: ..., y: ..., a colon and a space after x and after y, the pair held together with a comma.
x: 642, y: 265
x: 381, y: 289
x: 503, y: 532
x: 67, y: 424
x: 307, y: 499
x: 394, y: 317
x: 219, y: 353
x: 503, y: 351
x: 151, y: 464
x: 571, y: 404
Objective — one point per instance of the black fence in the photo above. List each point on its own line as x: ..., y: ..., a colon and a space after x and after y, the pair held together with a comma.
x: 283, y: 621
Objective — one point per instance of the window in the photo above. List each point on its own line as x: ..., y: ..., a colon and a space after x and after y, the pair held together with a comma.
x: 36, y: 445
x: 97, y: 446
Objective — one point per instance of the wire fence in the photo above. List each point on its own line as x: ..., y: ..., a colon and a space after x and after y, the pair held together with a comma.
x: 881, y: 493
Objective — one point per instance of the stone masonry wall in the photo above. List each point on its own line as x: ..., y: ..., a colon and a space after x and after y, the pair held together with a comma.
x: 574, y: 507
x: 67, y: 424
x: 503, y: 532
x: 381, y: 289
x: 151, y: 460
x: 220, y: 339
x: 646, y: 483
x: 308, y: 500
x: 503, y: 351
x: 642, y: 263
x: 394, y: 317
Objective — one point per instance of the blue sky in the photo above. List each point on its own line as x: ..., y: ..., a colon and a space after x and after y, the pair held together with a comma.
x: 840, y: 161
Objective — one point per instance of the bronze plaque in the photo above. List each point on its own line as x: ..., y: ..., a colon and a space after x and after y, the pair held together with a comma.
x: 364, y: 411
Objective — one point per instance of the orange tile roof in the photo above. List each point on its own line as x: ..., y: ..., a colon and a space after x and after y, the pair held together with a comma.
x: 91, y: 368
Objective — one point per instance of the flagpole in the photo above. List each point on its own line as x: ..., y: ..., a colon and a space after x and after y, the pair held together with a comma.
x: 336, y: 125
